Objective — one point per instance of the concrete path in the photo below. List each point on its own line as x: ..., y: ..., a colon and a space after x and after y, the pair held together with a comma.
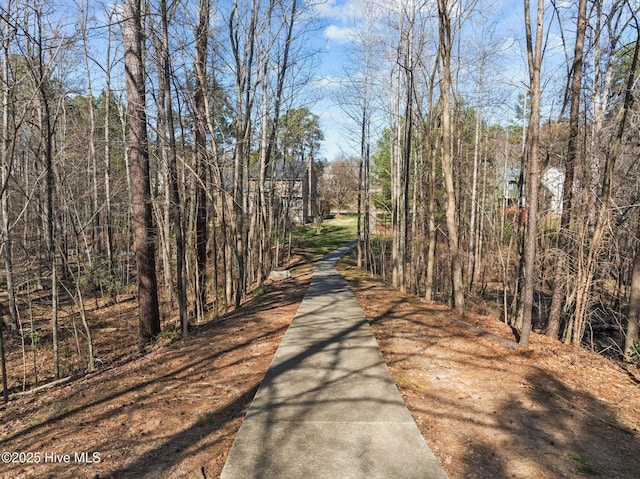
x: 328, y: 407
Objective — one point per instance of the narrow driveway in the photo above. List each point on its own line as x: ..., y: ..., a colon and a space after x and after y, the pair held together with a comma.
x: 328, y: 407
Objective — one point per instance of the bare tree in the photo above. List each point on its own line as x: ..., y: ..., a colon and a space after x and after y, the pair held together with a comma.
x: 243, y: 32
x: 533, y: 163
x: 144, y: 242
x: 341, y: 179
x: 41, y: 60
x: 452, y: 207
x: 176, y: 206
x: 108, y: 217
x: 202, y: 33
x: 553, y: 326
x: 576, y: 328
x: 93, y: 157
x: 6, y: 163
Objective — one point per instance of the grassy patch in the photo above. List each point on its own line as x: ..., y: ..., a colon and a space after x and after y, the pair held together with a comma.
x: 168, y: 334
x: 260, y: 290
x: 584, y: 467
x: 34, y: 421
x: 406, y: 382
x: 589, y: 471
x: 328, y: 236
x: 576, y: 457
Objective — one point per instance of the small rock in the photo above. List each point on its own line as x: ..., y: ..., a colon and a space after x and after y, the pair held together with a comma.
x: 278, y: 275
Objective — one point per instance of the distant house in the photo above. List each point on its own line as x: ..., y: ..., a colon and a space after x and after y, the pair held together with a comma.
x: 509, y: 186
x: 294, y: 191
x: 551, y: 180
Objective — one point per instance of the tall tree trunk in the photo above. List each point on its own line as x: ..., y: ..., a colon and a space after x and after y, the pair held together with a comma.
x: 535, y: 62
x: 144, y: 240
x: 583, y: 290
x: 42, y: 82
x: 96, y: 234
x: 402, y: 156
x: 107, y: 151
x: 396, y: 192
x: 176, y: 202
x: 5, y: 164
x: 244, y: 53
x: 363, y: 233
x: 429, y: 141
x: 262, y: 207
x: 284, y: 65
x: 553, y: 326
x: 431, y: 227
x: 452, y: 206
x: 405, y: 170
x: 471, y: 263
x: 202, y: 37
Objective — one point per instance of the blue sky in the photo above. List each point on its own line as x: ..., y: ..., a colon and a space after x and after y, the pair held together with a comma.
x: 338, y: 18
x: 502, y: 22
x: 339, y: 21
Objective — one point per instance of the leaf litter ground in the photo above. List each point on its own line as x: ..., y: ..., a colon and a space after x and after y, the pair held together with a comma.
x: 487, y: 410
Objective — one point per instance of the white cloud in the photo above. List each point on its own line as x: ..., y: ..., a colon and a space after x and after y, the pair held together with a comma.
x: 340, y: 34
x: 343, y: 11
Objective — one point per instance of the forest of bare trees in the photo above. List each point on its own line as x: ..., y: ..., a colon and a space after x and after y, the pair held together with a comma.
x: 534, y: 211
x: 158, y: 149
x: 148, y: 147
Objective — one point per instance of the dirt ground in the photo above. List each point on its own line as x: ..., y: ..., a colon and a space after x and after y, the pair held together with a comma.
x: 487, y: 410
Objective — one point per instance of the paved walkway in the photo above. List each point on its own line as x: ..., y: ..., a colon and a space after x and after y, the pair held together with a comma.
x: 328, y: 407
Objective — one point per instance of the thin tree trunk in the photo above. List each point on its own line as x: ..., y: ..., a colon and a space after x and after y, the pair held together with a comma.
x: 430, y: 143
x: 584, y: 286
x: 359, y: 252
x: 163, y: 211
x: 431, y: 229
x: 262, y: 208
x: 553, y: 326
x: 535, y: 62
x: 631, y: 347
x: 396, y: 174
x: 127, y: 167
x: 404, y: 175
x: 107, y: 151
x: 46, y: 128
x: 3, y: 366
x: 176, y: 207
x: 284, y: 66
x: 471, y: 263
x: 5, y: 164
x: 93, y: 157
x: 452, y: 206
x: 244, y: 59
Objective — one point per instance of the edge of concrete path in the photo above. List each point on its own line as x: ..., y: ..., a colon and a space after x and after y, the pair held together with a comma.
x: 272, y: 443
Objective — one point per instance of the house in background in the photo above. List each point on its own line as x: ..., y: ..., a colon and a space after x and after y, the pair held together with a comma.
x: 509, y: 186
x: 551, y: 180
x: 294, y: 191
